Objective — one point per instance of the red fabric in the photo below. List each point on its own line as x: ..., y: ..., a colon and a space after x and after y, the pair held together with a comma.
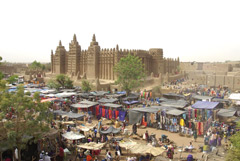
x: 61, y: 152
x: 116, y: 113
x: 97, y: 110
x: 144, y: 122
x: 110, y: 114
x: 195, y: 111
x: 96, y: 152
x: 103, y: 112
x: 190, y: 125
x: 89, y: 158
x: 199, y: 128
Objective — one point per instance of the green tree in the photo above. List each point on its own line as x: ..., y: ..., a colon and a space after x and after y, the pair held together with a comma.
x: 130, y: 72
x: 61, y: 81
x: 86, y: 86
x: 12, y: 79
x: 233, y: 153
x: 37, y: 66
x: 26, y: 119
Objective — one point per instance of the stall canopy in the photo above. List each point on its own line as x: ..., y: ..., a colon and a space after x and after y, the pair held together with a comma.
x: 85, y: 95
x: 84, y: 104
x: 59, y: 112
x: 48, y: 91
x: 66, y: 94
x: 115, y: 95
x: 92, y: 146
x: 234, y: 96
x: 112, y: 105
x: 68, y: 114
x: 72, y: 136
x: 146, y: 109
x: 73, y: 115
x: 174, y: 103
x: 86, y: 128
x: 130, y: 102
x: 173, y: 96
x: 221, y: 100
x: 226, y: 113
x: 110, y: 130
x: 49, y: 99
x: 89, y: 102
x: 99, y: 93
x: 110, y: 100
x: 202, y: 98
x: 141, y: 149
x: 79, y: 105
x: 175, y: 112
x: 205, y: 105
x: 132, y: 96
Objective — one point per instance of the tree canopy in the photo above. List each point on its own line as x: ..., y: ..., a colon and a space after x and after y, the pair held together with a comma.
x: 12, y: 79
x: 86, y: 86
x: 37, y: 66
x: 25, y: 118
x: 130, y: 72
x: 61, y: 81
x: 234, y: 152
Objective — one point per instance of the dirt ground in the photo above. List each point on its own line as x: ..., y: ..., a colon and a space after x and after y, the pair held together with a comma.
x: 178, y: 140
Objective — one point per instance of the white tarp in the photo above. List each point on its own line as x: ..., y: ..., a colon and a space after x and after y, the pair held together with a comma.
x: 92, y: 146
x: 72, y: 136
x: 66, y: 94
x: 86, y: 128
x: 142, y: 149
x: 234, y: 96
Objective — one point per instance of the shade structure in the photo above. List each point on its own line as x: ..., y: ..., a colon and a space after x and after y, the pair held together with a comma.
x: 175, y: 112
x: 226, y: 113
x: 112, y: 105
x: 141, y: 149
x: 92, y: 146
x: 99, y: 93
x: 110, y: 100
x: 110, y: 130
x: 174, y: 103
x: 79, y: 105
x: 130, y: 102
x: 200, y: 97
x: 49, y: 99
x: 73, y: 115
x: 86, y: 128
x: 173, y: 96
x: 66, y: 94
x: 89, y: 102
x: 59, y: 112
x: 234, y: 96
x: 72, y: 136
x: 205, y: 105
x: 50, y: 95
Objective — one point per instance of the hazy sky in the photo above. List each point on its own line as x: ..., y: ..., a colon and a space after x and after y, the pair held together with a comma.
x: 204, y: 30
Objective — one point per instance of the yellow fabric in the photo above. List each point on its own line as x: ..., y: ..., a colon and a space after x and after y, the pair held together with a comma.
x: 181, y: 122
x: 117, y: 124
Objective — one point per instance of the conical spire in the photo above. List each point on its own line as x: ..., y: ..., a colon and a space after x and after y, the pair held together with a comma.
x: 94, y: 38
x: 117, y: 47
x: 60, y: 43
x: 74, y: 37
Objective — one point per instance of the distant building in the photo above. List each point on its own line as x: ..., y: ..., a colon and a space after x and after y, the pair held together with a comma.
x: 98, y: 63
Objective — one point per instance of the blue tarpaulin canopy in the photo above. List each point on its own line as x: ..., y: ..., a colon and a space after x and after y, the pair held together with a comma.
x: 205, y: 105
